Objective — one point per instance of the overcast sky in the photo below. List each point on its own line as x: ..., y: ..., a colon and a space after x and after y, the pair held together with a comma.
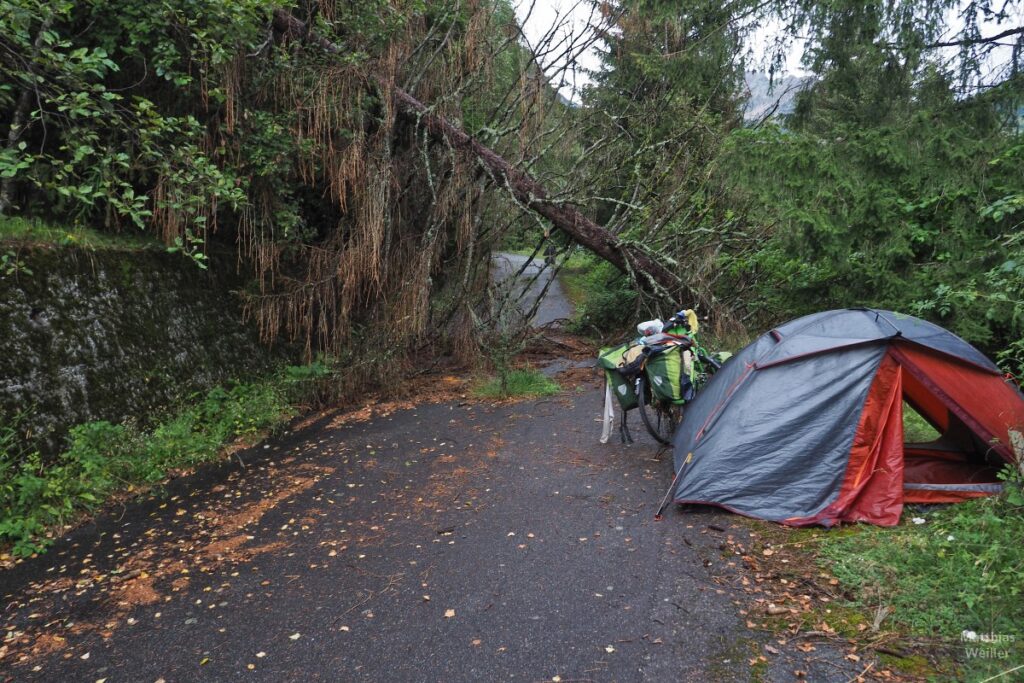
x: 569, y: 19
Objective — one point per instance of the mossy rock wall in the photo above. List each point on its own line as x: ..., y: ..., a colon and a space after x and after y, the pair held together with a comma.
x: 115, y: 335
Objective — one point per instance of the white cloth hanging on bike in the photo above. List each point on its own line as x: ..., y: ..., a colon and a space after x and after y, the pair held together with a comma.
x: 608, y: 413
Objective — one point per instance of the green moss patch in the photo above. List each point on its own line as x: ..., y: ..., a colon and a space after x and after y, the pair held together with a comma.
x: 15, y: 230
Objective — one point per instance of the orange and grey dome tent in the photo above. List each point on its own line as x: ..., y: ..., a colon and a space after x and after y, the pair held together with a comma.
x: 805, y: 425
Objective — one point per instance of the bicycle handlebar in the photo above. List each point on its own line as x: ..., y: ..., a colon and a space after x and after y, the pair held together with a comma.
x: 711, y: 361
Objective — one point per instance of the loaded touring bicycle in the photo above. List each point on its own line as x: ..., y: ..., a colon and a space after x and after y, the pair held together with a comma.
x: 657, y: 373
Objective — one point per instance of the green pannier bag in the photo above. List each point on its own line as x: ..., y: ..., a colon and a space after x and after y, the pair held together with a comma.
x: 611, y: 359
x: 665, y: 372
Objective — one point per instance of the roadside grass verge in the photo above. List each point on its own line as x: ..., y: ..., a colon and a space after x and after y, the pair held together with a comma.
x: 521, y: 382
x: 575, y: 275
x: 957, y: 577
x: 938, y: 599
x: 103, y: 460
x: 525, y: 251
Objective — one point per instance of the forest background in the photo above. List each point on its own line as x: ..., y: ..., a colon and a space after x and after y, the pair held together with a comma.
x: 897, y: 181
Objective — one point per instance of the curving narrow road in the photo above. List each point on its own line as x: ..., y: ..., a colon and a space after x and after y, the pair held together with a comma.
x: 453, y: 541
x: 529, y: 286
x: 456, y: 541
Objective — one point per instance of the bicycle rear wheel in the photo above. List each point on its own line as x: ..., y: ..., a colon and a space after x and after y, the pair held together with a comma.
x: 660, y: 418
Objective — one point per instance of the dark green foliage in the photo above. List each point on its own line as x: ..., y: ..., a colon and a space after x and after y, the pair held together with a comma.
x: 666, y: 95
x: 35, y: 497
x: 894, y: 212
x: 893, y: 183
x: 606, y: 302
x: 197, y: 123
x: 117, y: 92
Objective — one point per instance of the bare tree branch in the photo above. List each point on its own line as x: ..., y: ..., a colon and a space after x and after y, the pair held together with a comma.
x: 628, y: 257
x: 967, y: 42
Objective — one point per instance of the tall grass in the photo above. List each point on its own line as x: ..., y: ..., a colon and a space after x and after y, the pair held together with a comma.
x: 521, y: 382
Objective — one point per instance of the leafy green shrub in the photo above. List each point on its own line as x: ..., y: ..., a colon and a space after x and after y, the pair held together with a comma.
x: 100, y: 457
x: 318, y: 369
x: 315, y: 381
x: 178, y: 442
x: 194, y: 435
x: 11, y: 265
x: 606, y: 302
x: 22, y: 500
x: 35, y: 497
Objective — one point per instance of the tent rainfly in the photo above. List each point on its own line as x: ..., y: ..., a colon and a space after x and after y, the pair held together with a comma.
x: 805, y: 425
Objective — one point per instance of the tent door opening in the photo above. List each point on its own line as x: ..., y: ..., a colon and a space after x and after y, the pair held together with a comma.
x: 957, y: 465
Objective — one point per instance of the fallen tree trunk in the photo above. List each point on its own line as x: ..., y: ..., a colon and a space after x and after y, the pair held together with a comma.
x: 629, y: 258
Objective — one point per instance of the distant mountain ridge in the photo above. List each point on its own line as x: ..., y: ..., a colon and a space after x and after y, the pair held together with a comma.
x: 763, y: 95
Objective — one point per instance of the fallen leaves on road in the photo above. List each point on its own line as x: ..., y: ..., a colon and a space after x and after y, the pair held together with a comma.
x: 160, y: 561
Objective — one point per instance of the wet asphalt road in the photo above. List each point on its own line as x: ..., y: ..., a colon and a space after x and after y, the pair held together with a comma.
x: 530, y: 285
x: 446, y: 542
x: 460, y: 541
